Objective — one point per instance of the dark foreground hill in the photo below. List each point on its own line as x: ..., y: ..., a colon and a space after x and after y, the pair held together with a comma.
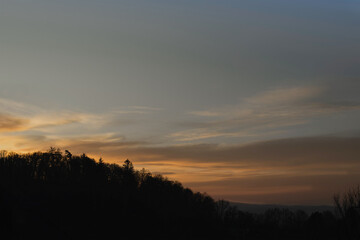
x: 262, y: 208
x: 51, y: 195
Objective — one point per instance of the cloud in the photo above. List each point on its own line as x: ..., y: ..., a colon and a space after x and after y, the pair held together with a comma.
x: 321, y: 154
x: 44, y: 122
x: 16, y: 116
x: 286, y: 95
x: 272, y: 99
x: 283, y: 152
x: 280, y: 189
x: 263, y: 113
x: 311, y: 153
x: 98, y: 144
x: 269, y: 170
x: 206, y: 113
x: 92, y: 144
x: 146, y: 108
x: 27, y: 117
x: 289, y: 171
x: 136, y: 110
x: 163, y: 173
x: 24, y: 143
x: 11, y: 123
x: 289, y: 153
x: 17, y: 108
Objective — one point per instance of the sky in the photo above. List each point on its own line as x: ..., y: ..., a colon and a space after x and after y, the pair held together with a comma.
x: 249, y: 101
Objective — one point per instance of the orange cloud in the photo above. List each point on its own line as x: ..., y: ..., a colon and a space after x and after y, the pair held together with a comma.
x: 10, y: 123
x: 286, y: 170
x: 292, y: 171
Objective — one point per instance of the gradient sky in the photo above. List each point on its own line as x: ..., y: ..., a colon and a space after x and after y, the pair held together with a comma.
x: 251, y: 101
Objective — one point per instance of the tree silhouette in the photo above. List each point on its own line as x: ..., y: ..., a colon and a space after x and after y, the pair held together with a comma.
x: 55, y: 195
x: 348, y: 209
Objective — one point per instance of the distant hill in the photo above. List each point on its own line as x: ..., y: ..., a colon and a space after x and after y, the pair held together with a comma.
x: 261, y: 208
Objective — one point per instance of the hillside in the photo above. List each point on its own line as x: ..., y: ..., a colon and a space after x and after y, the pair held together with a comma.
x: 261, y: 208
x: 55, y: 195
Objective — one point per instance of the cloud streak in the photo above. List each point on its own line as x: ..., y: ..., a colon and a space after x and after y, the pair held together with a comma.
x: 22, y: 117
x: 16, y: 116
x: 276, y: 171
x: 261, y: 114
x: 10, y: 123
x: 241, y: 172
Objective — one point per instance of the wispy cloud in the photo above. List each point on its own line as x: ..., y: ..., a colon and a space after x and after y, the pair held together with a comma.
x: 271, y: 170
x: 205, y: 133
x: 261, y: 114
x: 318, y: 153
x: 286, y: 96
x: 27, y: 117
x: 289, y: 152
x: 278, y: 171
x: 17, y: 108
x: 17, y: 116
x: 136, y: 110
x: 11, y: 123
x: 146, y: 108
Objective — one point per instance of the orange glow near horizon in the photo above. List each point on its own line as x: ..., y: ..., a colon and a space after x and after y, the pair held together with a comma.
x: 242, y: 181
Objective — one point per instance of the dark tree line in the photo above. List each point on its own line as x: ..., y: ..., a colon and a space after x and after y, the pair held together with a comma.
x: 55, y: 195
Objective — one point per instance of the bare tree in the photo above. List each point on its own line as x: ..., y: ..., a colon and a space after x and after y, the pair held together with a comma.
x: 348, y: 201
x: 348, y: 207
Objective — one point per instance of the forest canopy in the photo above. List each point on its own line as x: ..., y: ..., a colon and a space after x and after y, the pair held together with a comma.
x: 59, y: 195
